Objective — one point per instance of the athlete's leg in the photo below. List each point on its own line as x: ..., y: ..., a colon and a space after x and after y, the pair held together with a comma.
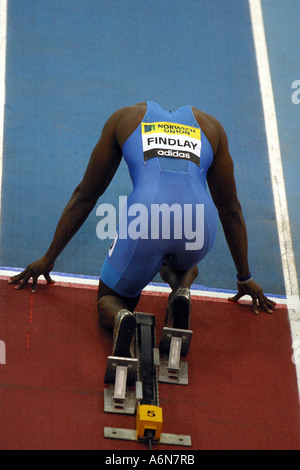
x: 115, y: 312
x: 110, y: 303
x: 179, y: 302
x: 176, y: 278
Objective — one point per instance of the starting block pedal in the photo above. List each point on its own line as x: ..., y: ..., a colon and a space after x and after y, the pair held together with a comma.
x: 174, y: 345
x: 121, y: 375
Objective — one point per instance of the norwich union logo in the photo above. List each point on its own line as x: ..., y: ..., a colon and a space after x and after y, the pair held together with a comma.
x: 149, y: 127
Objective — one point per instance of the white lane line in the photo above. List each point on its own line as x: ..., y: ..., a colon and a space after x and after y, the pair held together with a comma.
x: 3, y: 21
x: 71, y: 280
x: 277, y: 177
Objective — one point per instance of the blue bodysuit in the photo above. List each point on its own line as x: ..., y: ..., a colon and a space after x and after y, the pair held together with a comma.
x: 169, y: 217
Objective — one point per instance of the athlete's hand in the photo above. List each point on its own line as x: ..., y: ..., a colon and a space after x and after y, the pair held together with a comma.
x: 256, y: 293
x: 34, y: 270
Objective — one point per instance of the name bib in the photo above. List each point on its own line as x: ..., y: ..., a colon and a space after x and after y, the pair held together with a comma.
x: 168, y: 139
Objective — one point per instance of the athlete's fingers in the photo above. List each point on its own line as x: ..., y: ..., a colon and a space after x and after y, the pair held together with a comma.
x: 17, y: 277
x: 49, y: 279
x: 34, y: 285
x: 264, y: 305
x: 236, y: 297
x: 254, y: 306
x: 271, y: 303
x: 267, y: 304
x: 23, y: 282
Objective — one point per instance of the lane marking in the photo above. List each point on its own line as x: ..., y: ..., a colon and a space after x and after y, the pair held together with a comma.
x: 30, y: 319
x: 3, y: 22
x: 91, y: 282
x: 277, y: 177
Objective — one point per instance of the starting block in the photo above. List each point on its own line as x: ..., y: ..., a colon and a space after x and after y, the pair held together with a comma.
x: 173, y: 346
x: 121, y: 375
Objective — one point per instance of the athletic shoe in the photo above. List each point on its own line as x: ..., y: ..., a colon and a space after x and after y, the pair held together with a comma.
x: 124, y: 329
x: 179, y: 309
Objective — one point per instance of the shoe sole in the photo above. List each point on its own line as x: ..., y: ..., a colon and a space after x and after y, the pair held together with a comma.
x: 181, y: 309
x: 125, y: 335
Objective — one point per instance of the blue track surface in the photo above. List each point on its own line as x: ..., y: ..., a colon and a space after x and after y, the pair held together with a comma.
x: 70, y: 64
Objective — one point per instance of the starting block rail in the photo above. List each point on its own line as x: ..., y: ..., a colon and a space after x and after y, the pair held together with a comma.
x: 130, y: 435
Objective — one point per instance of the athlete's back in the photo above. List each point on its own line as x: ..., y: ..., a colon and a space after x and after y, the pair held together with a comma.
x: 169, y: 215
x: 168, y: 156
x: 155, y: 140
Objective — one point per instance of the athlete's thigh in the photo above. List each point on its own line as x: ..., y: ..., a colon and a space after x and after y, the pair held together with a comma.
x: 130, y: 265
x: 104, y: 290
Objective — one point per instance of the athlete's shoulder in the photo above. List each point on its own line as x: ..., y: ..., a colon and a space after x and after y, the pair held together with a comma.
x: 137, y: 109
x: 211, y: 127
x: 125, y: 120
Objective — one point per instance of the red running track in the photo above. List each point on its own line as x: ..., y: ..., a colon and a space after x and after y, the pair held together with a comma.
x: 242, y: 392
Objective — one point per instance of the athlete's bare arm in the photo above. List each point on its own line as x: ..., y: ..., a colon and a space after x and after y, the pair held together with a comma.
x: 101, y: 168
x: 221, y: 181
x: 222, y: 185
